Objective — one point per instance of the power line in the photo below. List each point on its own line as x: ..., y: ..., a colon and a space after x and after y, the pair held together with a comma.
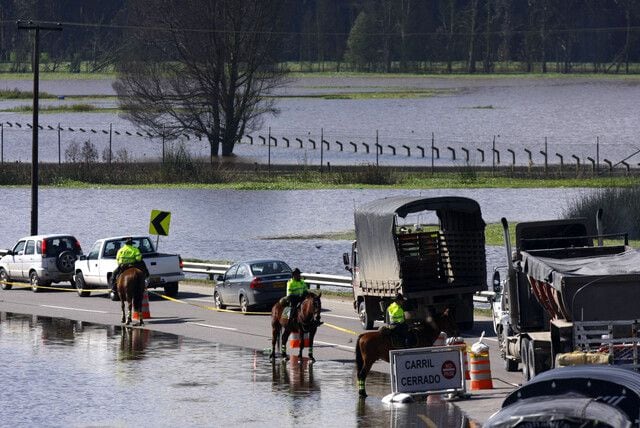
x: 589, y: 30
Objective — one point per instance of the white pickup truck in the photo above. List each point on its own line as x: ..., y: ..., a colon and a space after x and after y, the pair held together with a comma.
x: 94, y: 269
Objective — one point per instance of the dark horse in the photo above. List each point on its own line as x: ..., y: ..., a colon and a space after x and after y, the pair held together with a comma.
x: 131, y: 290
x: 305, y: 322
x: 375, y: 345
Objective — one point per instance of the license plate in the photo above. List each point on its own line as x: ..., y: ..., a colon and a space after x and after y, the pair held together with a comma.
x: 280, y: 284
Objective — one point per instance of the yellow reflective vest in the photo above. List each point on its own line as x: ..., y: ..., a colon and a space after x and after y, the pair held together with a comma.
x: 296, y: 287
x: 396, y: 314
x: 128, y: 254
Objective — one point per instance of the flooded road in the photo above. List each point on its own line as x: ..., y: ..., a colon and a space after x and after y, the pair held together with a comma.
x: 70, y: 373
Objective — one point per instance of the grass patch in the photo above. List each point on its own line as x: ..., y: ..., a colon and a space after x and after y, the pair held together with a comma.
x: 74, y: 108
x: 16, y: 94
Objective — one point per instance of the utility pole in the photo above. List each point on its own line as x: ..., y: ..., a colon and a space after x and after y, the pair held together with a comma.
x: 36, y: 88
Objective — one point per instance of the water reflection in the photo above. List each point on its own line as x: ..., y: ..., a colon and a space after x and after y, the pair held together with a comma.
x: 184, y: 382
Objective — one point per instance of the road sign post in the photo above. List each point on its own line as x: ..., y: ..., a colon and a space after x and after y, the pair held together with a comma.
x: 433, y: 370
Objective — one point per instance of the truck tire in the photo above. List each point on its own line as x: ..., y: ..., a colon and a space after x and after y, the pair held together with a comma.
x: 171, y: 289
x: 524, y: 356
x: 81, y: 286
x: 4, y: 279
x: 365, y: 318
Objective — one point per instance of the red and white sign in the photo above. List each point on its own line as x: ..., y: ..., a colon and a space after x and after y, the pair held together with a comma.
x: 427, y: 370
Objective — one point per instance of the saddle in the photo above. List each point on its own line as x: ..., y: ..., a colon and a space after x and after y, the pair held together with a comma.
x: 398, y: 340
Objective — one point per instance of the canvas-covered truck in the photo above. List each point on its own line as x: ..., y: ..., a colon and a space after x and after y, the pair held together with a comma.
x: 569, y: 297
x: 429, y: 249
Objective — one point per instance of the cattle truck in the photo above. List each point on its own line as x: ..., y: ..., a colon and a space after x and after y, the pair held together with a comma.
x: 429, y: 249
x: 567, y: 292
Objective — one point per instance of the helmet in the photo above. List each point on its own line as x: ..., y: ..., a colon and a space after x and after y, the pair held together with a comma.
x: 296, y: 271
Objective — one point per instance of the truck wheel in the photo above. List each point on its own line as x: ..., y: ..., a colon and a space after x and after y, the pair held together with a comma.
x: 531, y: 361
x: 171, y: 289
x: 4, y: 279
x: 81, y: 285
x: 367, y: 323
x: 218, y: 301
x: 34, y: 280
x: 524, y: 356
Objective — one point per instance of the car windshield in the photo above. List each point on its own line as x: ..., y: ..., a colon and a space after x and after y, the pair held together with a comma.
x: 111, y: 247
x: 56, y: 245
x: 269, y: 267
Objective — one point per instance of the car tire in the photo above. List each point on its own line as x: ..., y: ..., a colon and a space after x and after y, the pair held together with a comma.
x: 4, y: 280
x: 218, y: 301
x: 81, y: 285
x: 34, y: 280
x: 367, y: 324
x: 171, y: 289
x: 65, y: 261
x: 244, y: 304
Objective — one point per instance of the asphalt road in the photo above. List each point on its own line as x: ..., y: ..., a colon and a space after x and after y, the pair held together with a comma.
x: 193, y: 315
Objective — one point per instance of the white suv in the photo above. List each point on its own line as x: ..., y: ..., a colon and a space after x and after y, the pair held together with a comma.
x: 40, y: 260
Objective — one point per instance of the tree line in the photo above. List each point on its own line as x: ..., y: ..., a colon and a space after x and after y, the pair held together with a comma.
x: 444, y: 36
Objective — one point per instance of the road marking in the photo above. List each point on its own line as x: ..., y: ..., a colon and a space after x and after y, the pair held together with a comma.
x: 213, y: 326
x: 350, y: 348
x: 428, y: 422
x: 324, y: 314
x: 74, y: 309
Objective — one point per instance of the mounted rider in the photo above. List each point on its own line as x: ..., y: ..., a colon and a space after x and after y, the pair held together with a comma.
x: 397, y: 321
x: 128, y: 256
x: 297, y: 290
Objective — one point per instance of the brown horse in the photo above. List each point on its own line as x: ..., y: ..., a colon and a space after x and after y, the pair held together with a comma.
x: 131, y: 290
x: 375, y: 345
x: 305, y: 322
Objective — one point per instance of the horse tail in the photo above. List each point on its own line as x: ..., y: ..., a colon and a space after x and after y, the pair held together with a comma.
x: 359, y: 359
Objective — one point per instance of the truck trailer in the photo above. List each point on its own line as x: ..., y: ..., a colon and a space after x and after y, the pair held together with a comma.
x: 569, y: 297
x: 429, y: 249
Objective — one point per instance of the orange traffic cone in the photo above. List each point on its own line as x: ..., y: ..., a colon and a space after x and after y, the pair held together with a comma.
x: 146, y: 313
x: 294, y: 340
x: 480, y: 366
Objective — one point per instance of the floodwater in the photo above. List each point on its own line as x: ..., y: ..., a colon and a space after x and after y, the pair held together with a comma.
x: 240, y: 225
x: 572, y: 113
x: 58, y: 372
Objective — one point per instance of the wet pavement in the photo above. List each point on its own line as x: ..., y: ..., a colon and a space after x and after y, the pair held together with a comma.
x: 58, y: 372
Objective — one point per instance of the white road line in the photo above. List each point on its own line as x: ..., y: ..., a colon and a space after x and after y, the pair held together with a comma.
x: 350, y: 348
x: 324, y: 314
x: 74, y: 309
x: 213, y: 326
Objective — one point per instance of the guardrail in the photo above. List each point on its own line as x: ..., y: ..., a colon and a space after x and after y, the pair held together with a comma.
x: 317, y: 279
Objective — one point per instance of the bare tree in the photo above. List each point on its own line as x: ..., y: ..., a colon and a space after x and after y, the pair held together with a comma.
x: 201, y: 67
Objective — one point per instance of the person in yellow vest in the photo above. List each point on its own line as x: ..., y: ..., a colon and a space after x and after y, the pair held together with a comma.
x: 397, y: 321
x: 296, y: 291
x: 128, y: 256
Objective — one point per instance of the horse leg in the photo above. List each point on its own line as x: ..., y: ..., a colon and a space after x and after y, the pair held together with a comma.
x: 301, y: 347
x: 312, y: 334
x: 123, y: 313
x: 130, y: 304
x: 275, y: 332
x: 283, y: 344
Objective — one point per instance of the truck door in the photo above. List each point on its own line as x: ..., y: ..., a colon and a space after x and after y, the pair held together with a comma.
x: 108, y: 262
x: 91, y: 269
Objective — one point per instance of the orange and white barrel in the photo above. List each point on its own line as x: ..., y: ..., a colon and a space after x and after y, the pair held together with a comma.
x: 480, y: 371
x: 294, y: 340
x: 459, y: 341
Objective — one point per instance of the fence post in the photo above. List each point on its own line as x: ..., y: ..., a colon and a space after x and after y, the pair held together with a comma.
x: 286, y: 141
x: 355, y: 146
x: 577, y: 163
x: 453, y: 152
x: 366, y: 146
x: 275, y: 141
x: 300, y: 141
x: 339, y: 145
x: 393, y: 149
x: 608, y: 162
x: 593, y: 164
x: 408, y: 150
x: 513, y: 161
x: 421, y: 150
x: 264, y: 141
x: 466, y: 154
x: 481, y: 154
x: 313, y: 143
x: 321, y: 148
x: 561, y: 161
